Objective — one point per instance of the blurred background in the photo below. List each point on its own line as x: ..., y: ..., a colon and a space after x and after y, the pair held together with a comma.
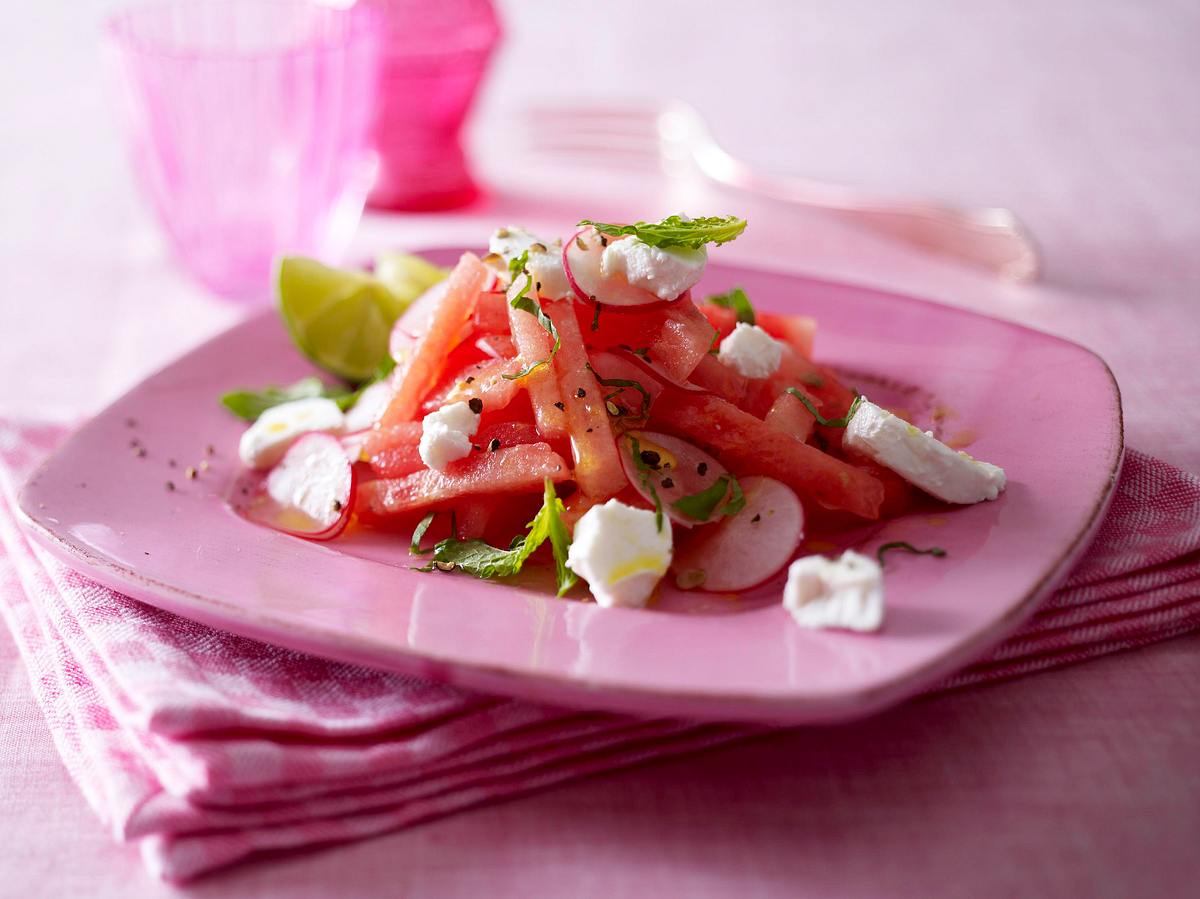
x: 1079, y: 116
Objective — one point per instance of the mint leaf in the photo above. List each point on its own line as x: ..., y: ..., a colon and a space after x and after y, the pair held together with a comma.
x: 736, y: 300
x: 646, y: 476
x: 737, y: 499
x: 414, y: 545
x: 560, y: 539
x: 822, y: 420
x: 533, y: 307
x: 623, y: 382
x: 517, y: 264
x: 701, y: 506
x: 249, y: 404
x: 676, y: 231
x: 908, y: 548
x: 482, y: 560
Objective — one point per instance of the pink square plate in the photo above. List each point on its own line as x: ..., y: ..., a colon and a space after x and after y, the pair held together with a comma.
x: 1045, y: 409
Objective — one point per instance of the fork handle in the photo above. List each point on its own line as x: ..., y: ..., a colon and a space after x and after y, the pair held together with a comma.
x: 989, y: 238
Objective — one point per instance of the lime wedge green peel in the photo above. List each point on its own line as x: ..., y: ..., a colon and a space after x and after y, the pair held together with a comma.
x: 407, y: 276
x: 342, y: 319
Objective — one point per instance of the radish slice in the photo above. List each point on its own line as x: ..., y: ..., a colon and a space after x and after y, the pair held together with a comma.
x: 310, y: 492
x: 747, y: 548
x: 353, y: 444
x: 581, y: 261
x: 677, y: 469
x: 369, y: 406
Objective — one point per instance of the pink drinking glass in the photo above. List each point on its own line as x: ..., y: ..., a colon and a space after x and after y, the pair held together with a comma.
x: 249, y: 127
x: 433, y: 60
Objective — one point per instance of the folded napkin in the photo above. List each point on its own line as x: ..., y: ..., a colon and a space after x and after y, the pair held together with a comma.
x: 207, y: 748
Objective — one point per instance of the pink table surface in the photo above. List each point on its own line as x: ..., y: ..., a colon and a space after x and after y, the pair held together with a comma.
x: 1083, y: 781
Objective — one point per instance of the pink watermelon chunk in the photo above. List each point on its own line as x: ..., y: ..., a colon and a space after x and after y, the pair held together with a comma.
x: 673, y: 336
x: 392, y: 452
x: 533, y: 345
x: 517, y: 469
x: 790, y: 416
x: 749, y: 446
x: 448, y: 323
x: 597, y: 465
x: 484, y: 380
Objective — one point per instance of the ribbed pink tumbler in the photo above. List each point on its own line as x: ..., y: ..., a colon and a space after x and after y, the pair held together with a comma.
x: 433, y: 60
x: 249, y: 126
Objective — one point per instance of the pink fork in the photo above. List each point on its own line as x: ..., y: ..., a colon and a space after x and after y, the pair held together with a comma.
x: 676, y: 138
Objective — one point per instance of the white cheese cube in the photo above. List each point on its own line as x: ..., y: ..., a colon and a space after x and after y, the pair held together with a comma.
x: 665, y: 273
x: 264, y: 442
x: 621, y: 553
x: 846, y: 592
x: 545, y: 265
x: 446, y: 435
x: 920, y: 458
x: 751, y: 351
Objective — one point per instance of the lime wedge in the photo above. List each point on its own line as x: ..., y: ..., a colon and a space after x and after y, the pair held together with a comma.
x: 407, y: 276
x: 341, y: 319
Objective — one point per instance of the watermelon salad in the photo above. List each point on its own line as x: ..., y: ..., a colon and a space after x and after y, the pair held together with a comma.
x: 576, y: 405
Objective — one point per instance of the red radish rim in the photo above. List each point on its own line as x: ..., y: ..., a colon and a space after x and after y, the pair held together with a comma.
x: 588, y: 298
x: 567, y: 268
x: 339, y: 525
x: 347, y: 510
x: 354, y: 439
x: 629, y: 467
x: 774, y: 574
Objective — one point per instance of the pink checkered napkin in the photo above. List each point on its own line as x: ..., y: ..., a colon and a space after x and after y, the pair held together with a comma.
x: 207, y: 748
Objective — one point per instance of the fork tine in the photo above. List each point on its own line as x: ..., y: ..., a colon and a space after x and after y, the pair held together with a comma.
x: 594, y: 144
x: 590, y: 158
x: 645, y: 139
x: 594, y: 132
x: 593, y: 122
x: 595, y: 112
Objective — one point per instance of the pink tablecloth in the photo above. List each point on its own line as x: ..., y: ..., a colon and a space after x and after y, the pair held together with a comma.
x: 1079, y: 782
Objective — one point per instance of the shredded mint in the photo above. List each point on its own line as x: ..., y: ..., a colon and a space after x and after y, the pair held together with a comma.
x: 736, y: 300
x: 677, y: 231
x: 936, y: 551
x: 645, y: 475
x: 517, y: 264
x: 701, y: 506
x: 527, y: 304
x: 822, y: 420
x: 622, y: 382
x: 737, y: 499
x: 414, y: 546
x: 482, y: 560
x: 249, y: 404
